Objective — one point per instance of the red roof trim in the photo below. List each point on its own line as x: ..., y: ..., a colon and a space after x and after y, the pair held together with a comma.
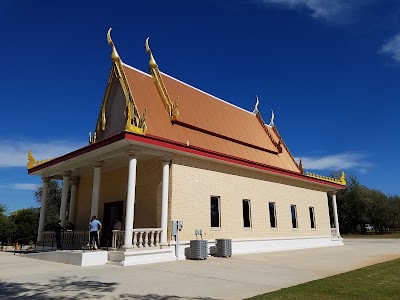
x: 86, y: 149
x: 183, y: 124
x: 161, y: 142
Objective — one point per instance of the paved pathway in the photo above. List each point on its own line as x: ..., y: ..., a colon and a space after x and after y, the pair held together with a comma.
x: 237, y: 277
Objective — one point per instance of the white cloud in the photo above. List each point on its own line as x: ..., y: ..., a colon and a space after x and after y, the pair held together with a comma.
x: 341, y: 161
x: 15, y: 153
x: 20, y: 186
x: 329, y: 10
x: 25, y: 186
x: 392, y: 48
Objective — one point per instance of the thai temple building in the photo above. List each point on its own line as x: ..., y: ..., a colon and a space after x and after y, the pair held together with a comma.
x: 162, y: 151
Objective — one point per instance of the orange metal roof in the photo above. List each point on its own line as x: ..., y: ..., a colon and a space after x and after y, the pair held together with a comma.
x: 208, y: 122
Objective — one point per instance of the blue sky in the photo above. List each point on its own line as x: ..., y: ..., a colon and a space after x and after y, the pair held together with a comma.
x: 330, y: 70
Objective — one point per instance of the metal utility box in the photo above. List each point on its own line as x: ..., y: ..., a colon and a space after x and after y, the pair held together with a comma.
x: 224, y: 247
x: 198, y: 249
x: 176, y: 226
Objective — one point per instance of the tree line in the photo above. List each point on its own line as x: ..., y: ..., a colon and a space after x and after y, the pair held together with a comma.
x: 24, y: 223
x: 358, y: 205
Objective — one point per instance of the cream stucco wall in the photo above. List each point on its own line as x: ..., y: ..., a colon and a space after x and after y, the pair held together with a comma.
x: 194, y: 181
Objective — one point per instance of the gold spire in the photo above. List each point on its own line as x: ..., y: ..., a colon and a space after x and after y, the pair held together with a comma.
x: 31, y: 160
x: 301, y: 166
x: 114, y: 54
x: 256, y: 106
x: 171, y: 108
x: 343, y: 178
x: 152, y: 61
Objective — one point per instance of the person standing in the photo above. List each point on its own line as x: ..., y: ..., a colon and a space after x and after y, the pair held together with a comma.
x: 117, y: 224
x: 58, y: 229
x: 94, y: 228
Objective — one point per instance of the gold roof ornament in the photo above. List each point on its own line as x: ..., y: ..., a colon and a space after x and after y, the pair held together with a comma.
x: 133, y: 121
x: 152, y: 61
x: 341, y: 180
x: 114, y: 54
x: 171, y: 108
x: 277, y: 144
x: 256, y: 106
x: 271, y: 123
x: 32, y: 162
x: 301, y: 166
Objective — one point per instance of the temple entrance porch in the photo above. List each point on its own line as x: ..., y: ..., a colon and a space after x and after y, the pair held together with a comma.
x: 121, y: 181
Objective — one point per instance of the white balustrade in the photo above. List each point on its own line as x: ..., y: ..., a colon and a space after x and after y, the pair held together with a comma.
x: 141, y: 238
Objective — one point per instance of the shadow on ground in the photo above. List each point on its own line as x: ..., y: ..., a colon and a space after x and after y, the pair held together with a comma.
x: 68, y: 288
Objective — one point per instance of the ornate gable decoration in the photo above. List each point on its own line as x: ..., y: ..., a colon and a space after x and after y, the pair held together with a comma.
x: 32, y: 162
x: 341, y: 180
x: 171, y: 108
x: 134, y: 122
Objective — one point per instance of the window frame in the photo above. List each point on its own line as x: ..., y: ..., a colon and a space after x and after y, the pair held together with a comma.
x: 275, y: 225
x: 219, y: 212
x: 313, y: 224
x: 293, y: 213
x: 249, y: 214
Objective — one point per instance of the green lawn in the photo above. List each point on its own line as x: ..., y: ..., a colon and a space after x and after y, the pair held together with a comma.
x: 381, y: 281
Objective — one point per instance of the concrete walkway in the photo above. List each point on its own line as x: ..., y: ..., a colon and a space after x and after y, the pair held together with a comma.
x: 237, y: 277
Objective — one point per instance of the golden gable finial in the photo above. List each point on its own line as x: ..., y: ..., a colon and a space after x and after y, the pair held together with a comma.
x: 171, y: 108
x: 31, y: 160
x: 343, y: 178
x: 271, y: 123
x: 114, y: 54
x: 301, y: 166
x: 256, y: 106
x: 152, y: 61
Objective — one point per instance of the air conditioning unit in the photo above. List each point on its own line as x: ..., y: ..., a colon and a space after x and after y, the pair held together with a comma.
x: 198, y: 249
x: 224, y: 247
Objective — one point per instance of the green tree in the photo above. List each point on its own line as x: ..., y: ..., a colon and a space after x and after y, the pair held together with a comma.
x: 352, y: 206
x: 394, y: 212
x: 53, y: 203
x: 7, y: 228
x: 26, y: 222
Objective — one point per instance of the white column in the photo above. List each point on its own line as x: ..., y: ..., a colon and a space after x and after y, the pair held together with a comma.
x: 164, y: 201
x: 72, y: 204
x: 42, y: 217
x: 130, y: 202
x: 335, y: 214
x: 64, y: 197
x: 96, y: 188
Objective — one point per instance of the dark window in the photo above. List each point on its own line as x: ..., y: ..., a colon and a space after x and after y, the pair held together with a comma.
x: 312, y: 217
x: 294, y: 215
x: 215, y: 218
x: 246, y: 213
x: 272, y: 214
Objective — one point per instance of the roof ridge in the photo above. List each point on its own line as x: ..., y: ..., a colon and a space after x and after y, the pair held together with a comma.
x: 215, y: 97
x: 284, y: 145
x: 195, y: 88
x: 135, y: 69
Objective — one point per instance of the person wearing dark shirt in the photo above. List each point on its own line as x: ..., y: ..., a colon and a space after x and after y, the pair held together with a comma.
x: 70, y: 226
x: 58, y: 229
